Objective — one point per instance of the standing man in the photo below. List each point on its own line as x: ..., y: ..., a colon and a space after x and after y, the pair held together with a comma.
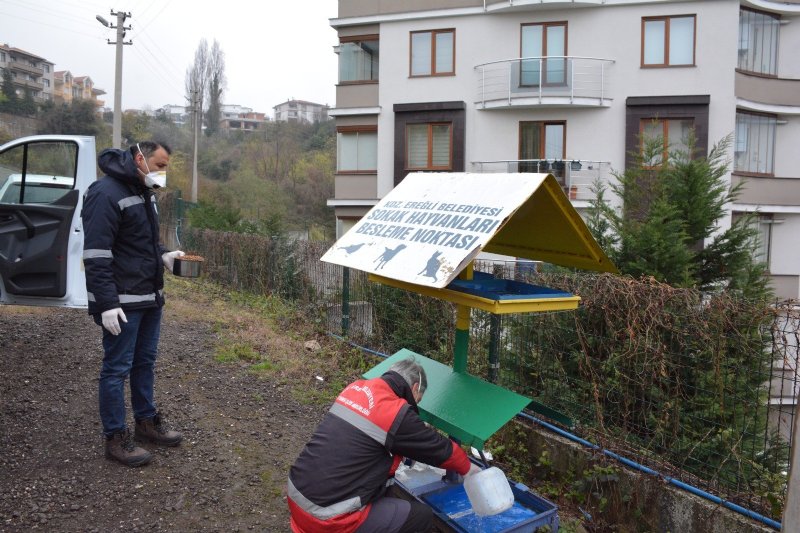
x: 124, y: 261
x: 339, y: 481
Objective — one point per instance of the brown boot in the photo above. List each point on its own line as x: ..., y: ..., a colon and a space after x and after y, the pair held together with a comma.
x: 120, y: 447
x: 156, y: 431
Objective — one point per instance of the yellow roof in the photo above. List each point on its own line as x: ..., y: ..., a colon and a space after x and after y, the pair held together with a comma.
x: 547, y: 228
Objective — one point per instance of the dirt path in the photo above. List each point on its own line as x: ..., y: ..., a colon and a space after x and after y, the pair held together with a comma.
x: 241, y: 433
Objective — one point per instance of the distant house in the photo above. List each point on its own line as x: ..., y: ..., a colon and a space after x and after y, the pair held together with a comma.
x: 176, y: 113
x: 240, y: 118
x: 300, y: 111
x: 29, y: 73
x: 69, y: 88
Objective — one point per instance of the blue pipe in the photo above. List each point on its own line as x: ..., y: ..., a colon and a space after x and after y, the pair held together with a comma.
x: 694, y: 490
x: 571, y: 436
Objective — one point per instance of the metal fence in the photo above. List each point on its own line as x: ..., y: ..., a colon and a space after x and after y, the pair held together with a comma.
x: 700, y: 388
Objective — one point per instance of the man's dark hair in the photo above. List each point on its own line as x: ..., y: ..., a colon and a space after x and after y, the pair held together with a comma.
x: 148, y: 148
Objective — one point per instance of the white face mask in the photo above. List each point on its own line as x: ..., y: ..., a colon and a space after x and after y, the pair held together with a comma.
x: 153, y: 180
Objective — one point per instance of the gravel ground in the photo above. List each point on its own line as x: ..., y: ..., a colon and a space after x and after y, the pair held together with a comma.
x: 241, y: 434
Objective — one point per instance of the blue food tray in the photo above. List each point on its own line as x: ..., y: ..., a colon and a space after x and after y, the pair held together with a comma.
x: 487, y: 286
x: 451, y: 505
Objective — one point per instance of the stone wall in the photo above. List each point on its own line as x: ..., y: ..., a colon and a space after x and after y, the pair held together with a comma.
x: 13, y: 126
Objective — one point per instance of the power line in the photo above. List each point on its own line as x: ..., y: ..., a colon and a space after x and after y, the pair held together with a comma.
x: 164, y: 55
x: 50, y: 12
x: 155, y: 71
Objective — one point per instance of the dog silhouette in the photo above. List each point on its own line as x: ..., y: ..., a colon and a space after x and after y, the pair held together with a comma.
x: 388, y: 255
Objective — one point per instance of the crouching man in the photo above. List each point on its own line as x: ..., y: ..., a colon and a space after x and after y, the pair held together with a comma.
x: 338, y: 482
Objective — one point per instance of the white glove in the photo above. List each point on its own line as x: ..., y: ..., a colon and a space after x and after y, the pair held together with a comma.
x: 111, y: 320
x: 473, y: 469
x: 169, y: 258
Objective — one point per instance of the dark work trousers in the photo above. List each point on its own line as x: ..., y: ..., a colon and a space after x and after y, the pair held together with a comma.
x: 395, y: 515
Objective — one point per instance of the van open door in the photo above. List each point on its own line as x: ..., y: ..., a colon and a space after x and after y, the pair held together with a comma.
x: 42, y: 182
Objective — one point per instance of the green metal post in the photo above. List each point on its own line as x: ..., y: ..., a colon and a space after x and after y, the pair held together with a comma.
x: 462, y: 339
x: 345, y: 300
x: 494, y: 346
x: 462, y: 330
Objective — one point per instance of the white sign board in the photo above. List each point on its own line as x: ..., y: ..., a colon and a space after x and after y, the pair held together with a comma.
x: 431, y: 225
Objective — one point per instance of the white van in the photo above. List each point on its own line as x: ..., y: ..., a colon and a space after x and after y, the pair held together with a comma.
x: 42, y: 182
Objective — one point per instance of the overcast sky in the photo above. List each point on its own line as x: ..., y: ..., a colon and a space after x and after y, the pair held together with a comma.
x: 274, y: 50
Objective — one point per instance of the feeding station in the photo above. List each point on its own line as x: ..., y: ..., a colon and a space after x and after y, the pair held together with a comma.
x: 424, y: 235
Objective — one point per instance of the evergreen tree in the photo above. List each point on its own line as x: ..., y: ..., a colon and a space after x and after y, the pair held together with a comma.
x: 10, y: 100
x: 669, y: 224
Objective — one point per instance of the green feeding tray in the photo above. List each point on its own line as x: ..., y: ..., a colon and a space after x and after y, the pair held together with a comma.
x: 461, y: 405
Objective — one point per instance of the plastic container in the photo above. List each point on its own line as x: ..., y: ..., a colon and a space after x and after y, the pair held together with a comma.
x: 489, y: 492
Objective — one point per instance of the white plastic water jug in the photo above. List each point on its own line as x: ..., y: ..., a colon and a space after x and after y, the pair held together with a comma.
x: 489, y: 492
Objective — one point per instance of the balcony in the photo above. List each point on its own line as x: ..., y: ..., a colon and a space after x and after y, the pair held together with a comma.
x: 21, y: 66
x: 576, y: 176
x: 552, y: 81
x: 28, y: 84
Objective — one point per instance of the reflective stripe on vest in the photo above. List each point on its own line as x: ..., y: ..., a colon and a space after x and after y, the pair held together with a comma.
x: 361, y: 423
x: 94, y: 254
x: 317, y: 511
x: 131, y: 298
x: 129, y: 201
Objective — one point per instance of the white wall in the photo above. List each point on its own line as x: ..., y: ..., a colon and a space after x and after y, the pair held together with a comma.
x: 787, y: 260
x: 612, y: 32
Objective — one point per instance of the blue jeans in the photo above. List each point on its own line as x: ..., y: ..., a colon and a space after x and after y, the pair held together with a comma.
x: 132, y: 354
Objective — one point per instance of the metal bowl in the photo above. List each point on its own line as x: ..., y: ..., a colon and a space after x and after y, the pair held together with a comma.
x: 187, y: 266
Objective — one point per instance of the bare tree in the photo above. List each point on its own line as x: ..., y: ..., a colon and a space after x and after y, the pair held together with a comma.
x: 197, y: 78
x: 196, y: 88
x: 216, y: 85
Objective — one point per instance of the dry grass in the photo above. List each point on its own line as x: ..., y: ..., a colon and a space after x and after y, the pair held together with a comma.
x: 267, y: 336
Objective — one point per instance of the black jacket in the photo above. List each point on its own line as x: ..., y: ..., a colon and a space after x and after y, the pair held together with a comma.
x: 341, y: 462
x: 121, y: 247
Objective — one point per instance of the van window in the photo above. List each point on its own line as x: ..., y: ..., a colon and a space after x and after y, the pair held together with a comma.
x: 37, y: 173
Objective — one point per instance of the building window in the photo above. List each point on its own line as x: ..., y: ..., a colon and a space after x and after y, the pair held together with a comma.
x: 547, y: 41
x: 433, y: 53
x: 359, y: 59
x: 754, y: 151
x: 761, y: 240
x: 429, y: 146
x: 758, y: 42
x: 672, y: 135
x: 542, y: 144
x: 357, y: 149
x: 668, y: 41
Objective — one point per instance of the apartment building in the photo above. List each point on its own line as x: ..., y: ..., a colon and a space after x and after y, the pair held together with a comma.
x: 29, y: 73
x: 300, y: 111
x: 69, y: 88
x: 568, y: 88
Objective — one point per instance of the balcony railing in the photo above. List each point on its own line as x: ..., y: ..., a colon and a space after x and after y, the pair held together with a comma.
x: 576, y: 176
x: 25, y: 67
x: 544, y: 81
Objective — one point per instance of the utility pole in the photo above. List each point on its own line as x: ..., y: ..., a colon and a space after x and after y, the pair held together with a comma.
x: 116, y: 136
x: 198, y: 123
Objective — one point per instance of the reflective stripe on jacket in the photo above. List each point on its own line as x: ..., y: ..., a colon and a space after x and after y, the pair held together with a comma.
x: 121, y: 250
x: 355, y: 451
